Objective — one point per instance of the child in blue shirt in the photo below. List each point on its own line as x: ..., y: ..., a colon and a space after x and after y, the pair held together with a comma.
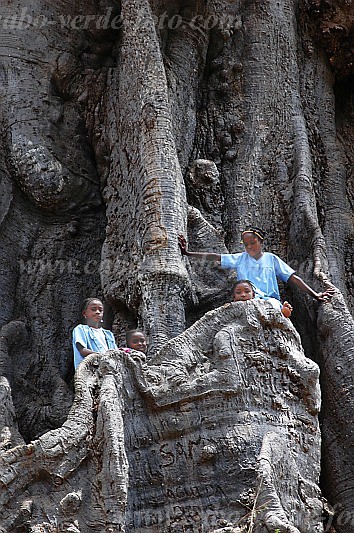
x: 91, y: 337
x: 259, y: 267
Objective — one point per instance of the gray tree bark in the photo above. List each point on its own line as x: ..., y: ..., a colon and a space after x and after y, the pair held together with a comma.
x: 220, y: 429
x: 124, y: 125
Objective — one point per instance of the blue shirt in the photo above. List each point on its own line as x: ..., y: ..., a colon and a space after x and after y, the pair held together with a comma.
x: 262, y: 272
x: 90, y: 338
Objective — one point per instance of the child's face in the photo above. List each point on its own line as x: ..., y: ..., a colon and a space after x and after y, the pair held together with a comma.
x: 252, y: 244
x: 138, y: 342
x: 243, y: 292
x: 94, y: 313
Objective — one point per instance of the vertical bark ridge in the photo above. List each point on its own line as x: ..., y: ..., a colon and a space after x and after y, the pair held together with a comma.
x: 143, y: 132
x: 304, y: 205
x: 336, y: 327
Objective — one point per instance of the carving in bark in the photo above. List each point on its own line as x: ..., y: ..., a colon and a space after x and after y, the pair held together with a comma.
x: 123, y: 125
x: 151, y: 447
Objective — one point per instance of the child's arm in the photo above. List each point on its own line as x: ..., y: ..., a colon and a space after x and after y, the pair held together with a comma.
x: 201, y: 255
x: 320, y: 296
x: 83, y: 351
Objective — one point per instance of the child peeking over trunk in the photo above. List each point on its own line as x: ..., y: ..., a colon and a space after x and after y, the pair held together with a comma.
x: 244, y: 291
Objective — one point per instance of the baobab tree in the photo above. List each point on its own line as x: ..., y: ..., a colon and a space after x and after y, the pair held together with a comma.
x: 123, y: 125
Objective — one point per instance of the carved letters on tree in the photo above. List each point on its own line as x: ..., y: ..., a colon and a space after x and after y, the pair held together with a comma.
x: 219, y: 429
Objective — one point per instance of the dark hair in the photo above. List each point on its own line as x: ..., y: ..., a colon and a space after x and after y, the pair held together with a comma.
x: 239, y: 281
x: 87, y: 302
x: 261, y: 234
x: 129, y: 334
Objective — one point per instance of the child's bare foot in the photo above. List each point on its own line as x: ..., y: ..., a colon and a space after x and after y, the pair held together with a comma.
x: 286, y: 309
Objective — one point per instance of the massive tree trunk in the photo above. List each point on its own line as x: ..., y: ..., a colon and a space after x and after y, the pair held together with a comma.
x: 122, y: 126
x: 189, y: 441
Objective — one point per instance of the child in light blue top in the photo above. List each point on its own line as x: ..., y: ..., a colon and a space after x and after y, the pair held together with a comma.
x: 261, y: 268
x: 91, y: 337
x: 262, y: 273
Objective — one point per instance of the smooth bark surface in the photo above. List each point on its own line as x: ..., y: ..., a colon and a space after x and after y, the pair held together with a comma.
x: 123, y: 125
